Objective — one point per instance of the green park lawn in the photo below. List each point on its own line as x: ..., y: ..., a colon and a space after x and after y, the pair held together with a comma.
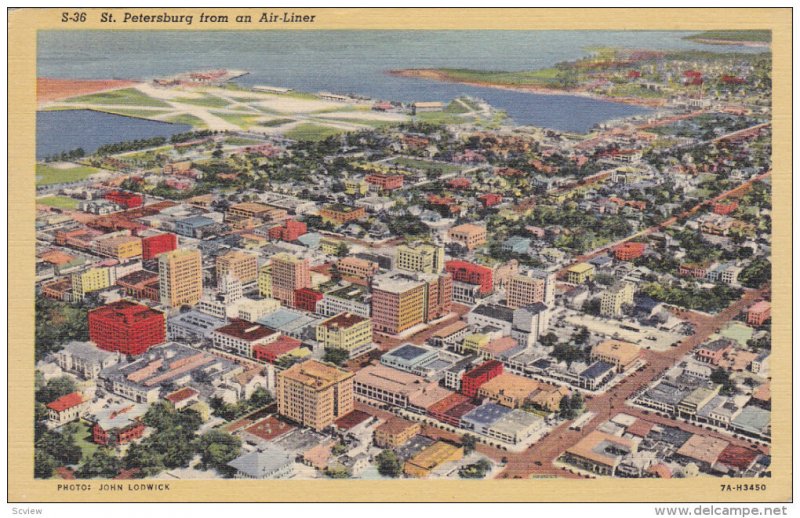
x: 48, y: 175
x: 313, y: 132
x: 58, y: 202
x: 127, y: 96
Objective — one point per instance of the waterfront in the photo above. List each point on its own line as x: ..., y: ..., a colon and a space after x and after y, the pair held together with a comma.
x: 359, y: 61
x: 65, y: 130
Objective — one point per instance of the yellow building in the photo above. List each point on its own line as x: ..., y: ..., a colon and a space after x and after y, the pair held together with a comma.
x: 346, y: 331
x: 620, y: 354
x: 329, y: 246
x: 396, y: 432
x: 265, y: 280
x: 120, y: 247
x: 241, y: 265
x: 90, y: 280
x: 615, y: 297
x: 524, y: 290
x: 180, y: 277
x: 420, y: 257
x: 509, y: 389
x: 475, y: 342
x: 314, y: 394
x: 468, y: 235
x: 356, y: 186
x: 252, y: 211
x: 580, y: 273
x: 423, y: 463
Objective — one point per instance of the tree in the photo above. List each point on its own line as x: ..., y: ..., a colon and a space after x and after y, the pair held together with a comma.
x: 55, y: 388
x: 721, y: 377
x: 259, y: 398
x: 388, y: 464
x: 217, y: 449
x: 102, y: 464
x: 476, y: 470
x: 61, y: 446
x: 576, y: 403
x: 342, y: 249
x: 43, y: 464
x: 338, y: 471
x: 564, y: 409
x: 548, y: 340
x: 336, y: 355
x: 468, y: 442
x: 147, y: 460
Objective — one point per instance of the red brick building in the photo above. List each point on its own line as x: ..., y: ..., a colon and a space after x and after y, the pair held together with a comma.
x: 490, y: 199
x: 724, y: 209
x: 289, y: 231
x: 629, y: 251
x: 463, y: 271
x: 385, y: 182
x: 158, y: 244
x: 472, y: 380
x: 127, y: 327
x: 119, y: 424
x: 758, y: 313
x: 306, y: 299
x: 129, y: 200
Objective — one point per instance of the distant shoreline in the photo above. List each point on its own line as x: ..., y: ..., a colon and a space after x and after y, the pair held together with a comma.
x: 439, y: 75
x: 714, y: 41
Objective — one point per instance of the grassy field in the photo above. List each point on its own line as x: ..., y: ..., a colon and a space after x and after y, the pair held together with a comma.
x: 84, y: 439
x: 544, y: 77
x: 424, y: 165
x: 185, y: 118
x: 59, y: 202
x: 440, y: 118
x: 313, y: 132
x: 47, y: 175
x: 208, y: 100
x: 275, y: 122
x: 141, y: 114
x: 128, y: 96
x: 242, y: 120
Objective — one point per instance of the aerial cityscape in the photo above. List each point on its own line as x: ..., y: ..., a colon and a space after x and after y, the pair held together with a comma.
x: 389, y: 254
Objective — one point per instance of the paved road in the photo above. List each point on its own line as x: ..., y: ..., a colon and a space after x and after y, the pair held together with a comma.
x: 612, y: 402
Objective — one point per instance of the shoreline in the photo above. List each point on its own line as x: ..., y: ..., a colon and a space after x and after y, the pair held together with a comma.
x: 735, y: 43
x: 438, y: 75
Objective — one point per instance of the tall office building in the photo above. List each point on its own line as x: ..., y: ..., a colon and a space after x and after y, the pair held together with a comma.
x: 529, y: 288
x: 420, y: 257
x: 240, y: 264
x: 180, y: 277
x: 289, y: 273
x: 401, y: 301
x: 314, y: 394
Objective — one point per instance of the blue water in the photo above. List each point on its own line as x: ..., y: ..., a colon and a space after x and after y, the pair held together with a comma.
x: 358, y: 61
x: 66, y: 130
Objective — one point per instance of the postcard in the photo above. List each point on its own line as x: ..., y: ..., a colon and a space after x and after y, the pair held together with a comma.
x: 476, y: 255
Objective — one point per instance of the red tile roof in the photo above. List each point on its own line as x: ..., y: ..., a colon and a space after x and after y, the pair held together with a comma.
x: 66, y: 402
x: 182, y: 394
